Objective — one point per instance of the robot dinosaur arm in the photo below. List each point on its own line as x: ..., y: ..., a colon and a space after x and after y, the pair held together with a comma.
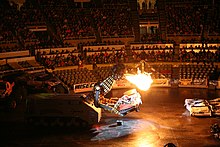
x: 104, y: 87
x: 128, y: 102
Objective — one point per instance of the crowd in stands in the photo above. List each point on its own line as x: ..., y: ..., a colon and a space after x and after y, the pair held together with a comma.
x: 149, y: 54
x: 151, y: 38
x: 62, y: 21
x: 8, y: 14
x: 214, y: 24
x: 185, y: 20
x: 113, y: 21
x: 60, y: 60
x: 154, y: 53
x: 203, y: 56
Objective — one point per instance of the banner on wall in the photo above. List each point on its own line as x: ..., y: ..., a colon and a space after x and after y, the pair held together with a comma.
x: 161, y: 83
x: 83, y: 87
x: 185, y: 82
x: 123, y: 83
x: 200, y: 83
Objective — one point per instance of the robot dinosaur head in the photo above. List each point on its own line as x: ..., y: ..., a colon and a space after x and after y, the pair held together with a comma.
x: 118, y: 71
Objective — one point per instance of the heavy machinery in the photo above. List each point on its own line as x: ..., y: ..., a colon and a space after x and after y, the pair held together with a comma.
x: 51, y: 109
x: 15, y: 86
x: 82, y: 109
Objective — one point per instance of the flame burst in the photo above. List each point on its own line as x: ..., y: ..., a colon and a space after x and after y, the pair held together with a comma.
x: 142, y: 80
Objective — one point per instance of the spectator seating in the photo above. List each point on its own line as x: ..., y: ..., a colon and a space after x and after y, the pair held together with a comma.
x: 25, y: 64
x: 194, y: 71
x: 102, y: 73
x: 5, y: 67
x: 185, y: 20
x: 161, y: 71
x: 75, y: 76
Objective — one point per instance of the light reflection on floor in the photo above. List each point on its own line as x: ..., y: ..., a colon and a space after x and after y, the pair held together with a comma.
x: 141, y: 132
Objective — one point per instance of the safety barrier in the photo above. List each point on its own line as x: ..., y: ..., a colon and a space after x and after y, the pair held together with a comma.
x: 194, y: 45
x: 123, y: 83
x: 104, y: 47
x: 161, y: 83
x: 60, y: 50
x: 194, y: 83
x: 20, y: 59
x: 83, y: 87
x: 151, y: 46
x: 14, y: 54
x: 120, y: 84
x: 65, y: 55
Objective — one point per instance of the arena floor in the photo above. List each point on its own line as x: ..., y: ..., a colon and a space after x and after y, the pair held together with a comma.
x: 162, y: 119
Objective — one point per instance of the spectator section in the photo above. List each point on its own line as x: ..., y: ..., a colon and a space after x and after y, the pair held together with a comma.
x: 199, y: 53
x: 185, y: 19
x: 194, y: 75
x: 152, y: 52
x: 75, y: 78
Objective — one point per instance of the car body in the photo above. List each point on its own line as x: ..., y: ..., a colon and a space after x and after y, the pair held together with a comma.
x: 43, y: 82
x: 202, y: 107
x: 130, y: 101
x: 198, y: 107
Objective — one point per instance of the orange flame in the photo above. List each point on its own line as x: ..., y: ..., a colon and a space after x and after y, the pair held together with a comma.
x: 142, y: 80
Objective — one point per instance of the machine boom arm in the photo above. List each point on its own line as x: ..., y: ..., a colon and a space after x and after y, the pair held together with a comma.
x: 130, y: 101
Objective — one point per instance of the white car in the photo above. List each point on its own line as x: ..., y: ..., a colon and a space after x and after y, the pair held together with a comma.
x: 198, y: 107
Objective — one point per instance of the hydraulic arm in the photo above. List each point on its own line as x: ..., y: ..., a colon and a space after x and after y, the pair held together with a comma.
x: 130, y: 101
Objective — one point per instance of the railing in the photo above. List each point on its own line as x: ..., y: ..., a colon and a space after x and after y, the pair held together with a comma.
x: 79, y: 38
x: 119, y: 36
x: 14, y: 54
x: 55, y: 50
x: 104, y: 47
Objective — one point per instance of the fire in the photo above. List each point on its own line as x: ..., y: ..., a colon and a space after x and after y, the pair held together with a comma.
x: 142, y: 80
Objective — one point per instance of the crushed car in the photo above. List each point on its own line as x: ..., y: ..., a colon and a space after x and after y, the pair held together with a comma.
x: 202, y: 107
x: 44, y: 82
x: 198, y: 107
